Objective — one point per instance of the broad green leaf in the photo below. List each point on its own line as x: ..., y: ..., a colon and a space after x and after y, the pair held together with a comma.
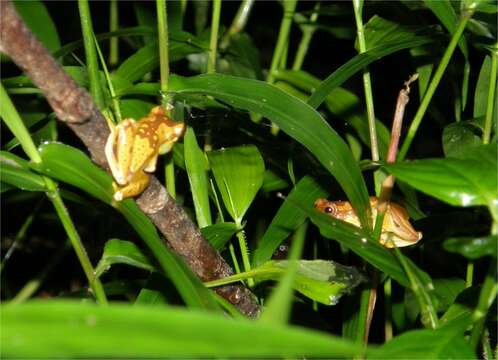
x: 219, y: 234
x: 197, y: 168
x: 443, y: 343
x: 295, y: 118
x: 239, y: 173
x: 343, y: 104
x: 135, y: 108
x: 121, y: 331
x: 288, y: 218
x: 462, y: 307
x: 446, y: 14
x: 345, y: 71
x: 16, y: 172
x: 459, y: 137
x: 70, y: 165
x: 472, y: 247
x: 446, y: 291
x: 122, y: 252
x: 35, y: 15
x: 242, y: 58
x: 467, y: 181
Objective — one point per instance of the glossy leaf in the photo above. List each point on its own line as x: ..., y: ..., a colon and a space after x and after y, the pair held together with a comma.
x: 197, y: 167
x: 288, y: 218
x: 460, y: 137
x: 16, y: 172
x: 468, y: 181
x: 296, y: 119
x: 345, y: 71
x: 144, y: 331
x: 35, y: 15
x: 239, y: 173
x: 482, y: 88
x: 472, y: 247
x: 70, y: 165
x: 122, y: 252
x: 219, y: 234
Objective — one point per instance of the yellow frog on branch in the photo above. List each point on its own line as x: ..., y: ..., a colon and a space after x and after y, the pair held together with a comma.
x: 133, y: 147
x: 396, y: 228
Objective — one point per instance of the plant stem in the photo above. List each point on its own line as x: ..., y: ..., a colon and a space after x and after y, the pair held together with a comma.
x: 213, y: 42
x: 90, y: 53
x: 113, y: 26
x: 245, y: 253
x: 388, y: 318
x: 488, y: 124
x: 74, y: 238
x: 308, y: 32
x: 434, y: 83
x: 169, y: 173
x: 367, y: 83
x: 162, y: 31
x: 283, y: 35
x: 239, y: 22
x: 469, y: 274
x: 486, y: 298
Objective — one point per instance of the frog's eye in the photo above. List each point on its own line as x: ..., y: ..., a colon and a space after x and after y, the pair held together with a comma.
x: 328, y: 210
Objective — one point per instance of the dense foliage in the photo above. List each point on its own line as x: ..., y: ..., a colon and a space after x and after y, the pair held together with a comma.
x: 285, y: 102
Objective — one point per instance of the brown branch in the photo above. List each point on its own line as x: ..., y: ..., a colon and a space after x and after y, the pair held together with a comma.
x: 74, y: 106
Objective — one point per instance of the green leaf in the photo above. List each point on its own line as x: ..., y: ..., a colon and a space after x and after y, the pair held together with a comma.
x: 295, y: 118
x: 273, y: 182
x: 446, y: 291
x: 152, y: 332
x: 288, y: 218
x: 197, y: 167
x: 16, y: 172
x: 446, y: 14
x: 135, y: 108
x: 35, y: 15
x: 122, y: 252
x: 443, y: 343
x: 239, y: 173
x: 242, y: 58
x: 459, y: 137
x: 472, y: 247
x: 219, y: 234
x: 482, y: 88
x: 468, y: 181
x: 70, y: 165
x: 343, y: 103
x: 345, y: 71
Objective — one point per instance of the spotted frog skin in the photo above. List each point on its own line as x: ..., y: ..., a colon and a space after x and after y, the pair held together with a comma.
x: 133, y: 147
x: 396, y: 228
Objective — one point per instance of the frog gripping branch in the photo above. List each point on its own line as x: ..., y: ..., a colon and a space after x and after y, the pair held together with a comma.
x: 132, y: 149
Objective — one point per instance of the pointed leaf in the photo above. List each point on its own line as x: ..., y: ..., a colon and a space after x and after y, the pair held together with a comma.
x: 472, y: 247
x: 219, y: 234
x: 122, y: 252
x: 239, y: 173
x: 16, y: 172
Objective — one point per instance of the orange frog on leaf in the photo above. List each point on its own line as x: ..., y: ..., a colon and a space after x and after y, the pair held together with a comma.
x: 133, y: 147
x: 396, y: 228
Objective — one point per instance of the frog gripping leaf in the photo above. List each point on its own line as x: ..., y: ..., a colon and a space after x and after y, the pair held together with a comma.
x: 133, y: 147
x: 396, y: 228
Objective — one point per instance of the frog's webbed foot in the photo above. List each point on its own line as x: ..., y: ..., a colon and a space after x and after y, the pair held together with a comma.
x: 135, y: 187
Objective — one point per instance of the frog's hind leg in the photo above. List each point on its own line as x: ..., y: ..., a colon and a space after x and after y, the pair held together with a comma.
x: 135, y: 187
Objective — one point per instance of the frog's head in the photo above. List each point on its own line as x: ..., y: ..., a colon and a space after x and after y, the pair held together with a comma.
x: 168, y: 131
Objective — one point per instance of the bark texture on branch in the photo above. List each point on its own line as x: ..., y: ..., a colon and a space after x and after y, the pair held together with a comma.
x: 74, y: 106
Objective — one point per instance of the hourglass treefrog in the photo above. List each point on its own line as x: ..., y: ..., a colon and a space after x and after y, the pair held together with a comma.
x: 396, y: 228
x: 133, y: 147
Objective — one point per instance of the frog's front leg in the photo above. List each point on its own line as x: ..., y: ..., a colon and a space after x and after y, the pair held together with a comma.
x: 138, y: 184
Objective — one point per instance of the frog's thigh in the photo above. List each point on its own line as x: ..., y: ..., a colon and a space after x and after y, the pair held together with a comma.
x: 138, y: 184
